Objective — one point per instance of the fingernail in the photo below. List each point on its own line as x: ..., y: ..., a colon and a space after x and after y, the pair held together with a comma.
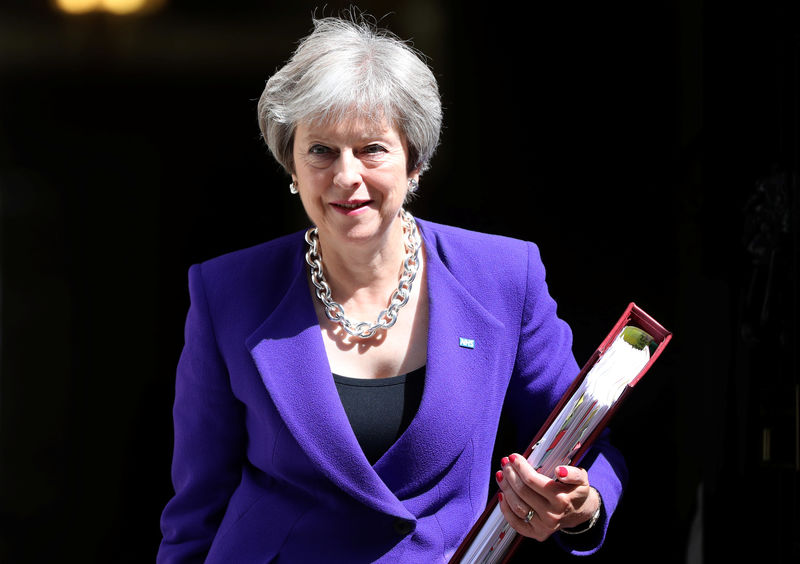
x: 513, y: 457
x: 499, y: 496
x: 499, y: 476
x: 504, y: 461
x: 562, y: 472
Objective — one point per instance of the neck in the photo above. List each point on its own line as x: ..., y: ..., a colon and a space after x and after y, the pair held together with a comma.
x: 364, y: 273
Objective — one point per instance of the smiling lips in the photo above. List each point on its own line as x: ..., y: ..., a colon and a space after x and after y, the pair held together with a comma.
x: 350, y: 206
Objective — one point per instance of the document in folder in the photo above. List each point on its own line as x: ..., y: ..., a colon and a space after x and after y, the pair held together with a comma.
x: 584, y: 410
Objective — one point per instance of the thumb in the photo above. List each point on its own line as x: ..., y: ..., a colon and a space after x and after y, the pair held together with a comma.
x: 572, y: 475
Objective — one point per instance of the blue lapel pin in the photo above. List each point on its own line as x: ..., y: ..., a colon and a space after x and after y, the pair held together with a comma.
x: 466, y: 343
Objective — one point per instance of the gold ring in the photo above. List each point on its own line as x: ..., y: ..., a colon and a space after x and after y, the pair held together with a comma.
x: 529, y: 516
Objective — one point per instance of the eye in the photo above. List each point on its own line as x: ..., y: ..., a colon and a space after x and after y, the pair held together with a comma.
x: 318, y: 150
x: 319, y: 155
x: 373, y: 151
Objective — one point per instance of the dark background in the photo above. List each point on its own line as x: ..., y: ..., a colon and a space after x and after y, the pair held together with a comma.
x: 649, y: 148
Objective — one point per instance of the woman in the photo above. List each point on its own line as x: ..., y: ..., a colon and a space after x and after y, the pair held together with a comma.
x: 304, y: 435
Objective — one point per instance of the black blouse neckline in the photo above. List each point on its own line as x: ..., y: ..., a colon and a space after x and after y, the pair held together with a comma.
x: 380, y: 409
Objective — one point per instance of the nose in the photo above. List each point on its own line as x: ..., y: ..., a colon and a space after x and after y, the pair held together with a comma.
x: 347, y: 174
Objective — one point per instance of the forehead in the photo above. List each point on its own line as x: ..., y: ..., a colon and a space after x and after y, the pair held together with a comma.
x: 357, y: 128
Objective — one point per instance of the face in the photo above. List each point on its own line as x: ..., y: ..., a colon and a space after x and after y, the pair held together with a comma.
x: 352, y: 178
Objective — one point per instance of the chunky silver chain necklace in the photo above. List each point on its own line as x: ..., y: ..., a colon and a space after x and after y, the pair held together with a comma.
x: 388, y: 317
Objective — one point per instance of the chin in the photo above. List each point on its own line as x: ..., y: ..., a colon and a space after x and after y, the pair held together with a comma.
x: 364, y: 233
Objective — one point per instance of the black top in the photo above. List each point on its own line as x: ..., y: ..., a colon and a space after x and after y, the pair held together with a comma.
x: 380, y: 410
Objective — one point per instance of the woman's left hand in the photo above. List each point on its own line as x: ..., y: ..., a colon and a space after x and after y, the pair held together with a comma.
x: 562, y: 503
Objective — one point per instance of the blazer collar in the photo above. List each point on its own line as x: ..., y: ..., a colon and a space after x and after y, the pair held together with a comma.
x: 290, y: 356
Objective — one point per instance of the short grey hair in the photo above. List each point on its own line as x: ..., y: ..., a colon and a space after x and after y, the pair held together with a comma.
x: 349, y: 68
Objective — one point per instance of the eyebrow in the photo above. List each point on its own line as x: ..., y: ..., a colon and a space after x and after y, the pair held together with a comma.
x: 365, y: 141
x: 362, y: 137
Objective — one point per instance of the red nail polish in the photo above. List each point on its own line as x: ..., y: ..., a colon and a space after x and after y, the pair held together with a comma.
x: 562, y: 472
x: 499, y: 475
x: 513, y: 457
x: 499, y: 496
x: 504, y: 461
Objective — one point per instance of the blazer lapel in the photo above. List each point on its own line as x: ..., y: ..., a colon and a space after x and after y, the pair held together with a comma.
x: 462, y: 360
x: 290, y: 356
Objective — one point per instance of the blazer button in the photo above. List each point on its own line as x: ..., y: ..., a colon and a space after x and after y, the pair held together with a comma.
x: 403, y: 526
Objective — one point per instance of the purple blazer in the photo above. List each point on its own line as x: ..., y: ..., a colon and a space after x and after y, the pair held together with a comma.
x: 266, y: 466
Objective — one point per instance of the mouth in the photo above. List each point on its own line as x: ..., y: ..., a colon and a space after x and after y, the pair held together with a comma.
x: 351, y: 205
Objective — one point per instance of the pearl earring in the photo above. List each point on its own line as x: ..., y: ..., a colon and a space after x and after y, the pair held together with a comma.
x: 293, y: 187
x: 412, y: 185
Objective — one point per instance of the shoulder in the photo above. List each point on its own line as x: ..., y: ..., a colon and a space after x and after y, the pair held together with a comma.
x: 448, y: 237
x: 253, y: 278
x: 263, y: 260
x: 502, y: 273
x: 462, y: 250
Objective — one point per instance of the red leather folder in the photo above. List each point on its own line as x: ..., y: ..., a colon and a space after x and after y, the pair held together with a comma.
x: 634, y: 316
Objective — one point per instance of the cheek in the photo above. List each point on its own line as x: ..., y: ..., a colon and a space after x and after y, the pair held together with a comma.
x: 311, y: 181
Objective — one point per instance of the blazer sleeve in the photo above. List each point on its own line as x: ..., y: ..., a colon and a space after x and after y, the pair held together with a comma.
x: 544, y: 369
x: 210, y: 439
